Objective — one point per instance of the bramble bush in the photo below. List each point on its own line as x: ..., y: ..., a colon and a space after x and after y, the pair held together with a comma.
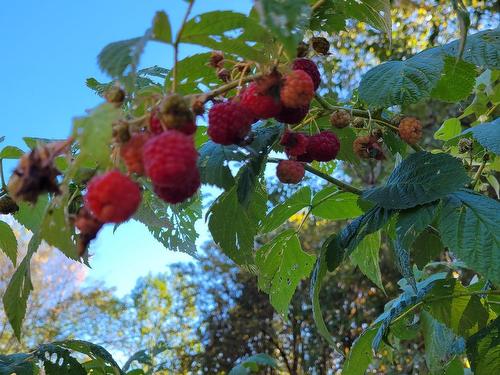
x: 141, y: 155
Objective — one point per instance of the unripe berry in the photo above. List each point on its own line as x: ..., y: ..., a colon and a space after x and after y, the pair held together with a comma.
x: 410, y: 130
x: 340, y: 119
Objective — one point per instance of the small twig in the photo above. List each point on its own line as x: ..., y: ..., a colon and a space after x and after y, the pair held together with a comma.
x: 317, y: 4
x: 333, y: 180
x: 4, y: 185
x: 477, y: 175
x: 176, y: 45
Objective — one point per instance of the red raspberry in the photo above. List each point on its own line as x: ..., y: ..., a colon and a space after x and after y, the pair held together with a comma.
x: 229, y: 123
x: 263, y: 106
x: 410, y: 130
x: 295, y: 143
x: 322, y: 147
x: 310, y: 68
x: 290, y: 171
x: 297, y: 90
x: 169, y: 158
x: 292, y: 115
x: 155, y: 124
x: 131, y: 153
x: 112, y: 197
x: 179, y: 193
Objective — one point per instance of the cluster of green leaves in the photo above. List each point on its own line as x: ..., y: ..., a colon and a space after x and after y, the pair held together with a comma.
x: 427, y: 199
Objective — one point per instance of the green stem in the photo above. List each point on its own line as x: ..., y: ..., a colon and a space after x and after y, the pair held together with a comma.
x: 477, y: 175
x: 324, y: 176
x: 176, y: 45
x: 224, y: 88
x: 4, y: 185
x: 363, y: 114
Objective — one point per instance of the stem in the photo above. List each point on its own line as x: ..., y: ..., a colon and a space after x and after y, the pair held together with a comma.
x: 317, y: 4
x: 4, y: 185
x: 324, y: 176
x: 224, y: 88
x: 364, y: 114
x: 176, y: 45
x: 477, y: 176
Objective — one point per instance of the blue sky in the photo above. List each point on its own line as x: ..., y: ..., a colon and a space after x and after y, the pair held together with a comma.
x: 49, y: 50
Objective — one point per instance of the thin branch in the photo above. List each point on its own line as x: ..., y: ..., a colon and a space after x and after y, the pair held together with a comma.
x: 176, y: 45
x: 4, y: 185
x: 224, y: 88
x: 477, y: 175
x: 317, y: 4
x: 333, y: 180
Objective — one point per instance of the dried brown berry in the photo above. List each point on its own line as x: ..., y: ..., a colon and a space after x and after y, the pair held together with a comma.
x: 340, y: 119
x: 367, y: 147
x: 174, y: 113
x: 121, y: 132
x: 410, y: 130
x: 36, y: 174
x: 302, y: 49
x: 321, y: 45
x: 465, y: 145
x: 358, y: 122
x: 216, y: 59
x: 8, y: 206
x: 115, y: 95
x: 88, y: 226
x: 224, y: 75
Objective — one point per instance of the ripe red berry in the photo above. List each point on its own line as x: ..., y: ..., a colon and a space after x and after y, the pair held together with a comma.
x: 310, y: 68
x: 169, y: 158
x: 263, y: 106
x: 297, y: 90
x: 131, y: 152
x: 295, y: 143
x: 182, y: 191
x: 292, y: 115
x: 290, y: 171
x: 229, y: 123
x: 410, y: 130
x: 112, y: 197
x: 154, y: 123
x: 323, y: 146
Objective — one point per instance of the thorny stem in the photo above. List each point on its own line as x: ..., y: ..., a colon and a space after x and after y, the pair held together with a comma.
x: 176, y: 45
x: 224, y: 88
x: 333, y: 180
x: 364, y: 114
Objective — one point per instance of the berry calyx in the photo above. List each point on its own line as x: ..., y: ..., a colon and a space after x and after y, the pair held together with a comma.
x: 290, y: 171
x: 410, y: 130
x: 368, y: 147
x: 182, y: 191
x: 112, y: 197
x: 174, y: 113
x: 310, y: 68
x: 323, y: 146
x: 169, y: 157
x: 292, y: 115
x: 295, y: 143
x: 340, y: 119
x: 229, y: 123
x: 297, y: 90
x: 262, y: 105
x: 131, y: 153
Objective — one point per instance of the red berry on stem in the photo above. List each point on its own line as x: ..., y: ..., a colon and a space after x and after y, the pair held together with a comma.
x: 292, y: 115
x: 229, y: 123
x: 112, y: 197
x: 310, y: 68
x: 295, y: 143
x: 263, y: 106
x: 290, y: 171
x: 179, y: 193
x: 169, y: 158
x: 323, y: 146
x: 131, y: 152
x: 297, y: 90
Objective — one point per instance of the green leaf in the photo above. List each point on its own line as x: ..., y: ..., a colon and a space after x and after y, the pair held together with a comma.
x: 16, y: 295
x: 360, y: 355
x: 233, y: 227
x: 366, y: 258
x: 369, y: 11
x: 340, y: 246
x: 332, y: 204
x: 8, y: 242
x: 92, y: 350
x: 282, y: 265
x: 457, y: 80
x: 487, y: 134
x: 212, y: 163
x: 318, y: 274
x: 439, y: 343
x: 463, y: 314
x: 93, y: 134
x: 98, y: 87
x: 19, y: 364
x: 31, y: 216
x: 57, y: 232
x: 401, y: 82
x: 281, y: 212
x: 420, y: 178
x: 469, y: 228
x: 211, y: 30
x: 450, y: 129
x: 58, y: 360
x: 192, y: 72
x: 11, y: 152
x: 427, y: 247
x: 483, y: 349
x: 116, y: 57
x: 162, y: 31
x: 253, y: 364
x: 409, y: 225
x: 286, y: 20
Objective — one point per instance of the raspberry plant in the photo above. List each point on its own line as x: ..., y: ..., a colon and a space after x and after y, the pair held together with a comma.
x: 143, y: 154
